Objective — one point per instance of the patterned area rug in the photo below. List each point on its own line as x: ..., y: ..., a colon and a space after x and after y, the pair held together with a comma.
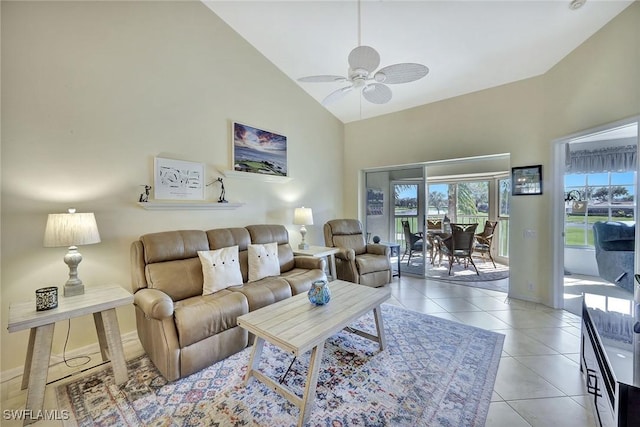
x: 434, y: 372
x: 461, y: 274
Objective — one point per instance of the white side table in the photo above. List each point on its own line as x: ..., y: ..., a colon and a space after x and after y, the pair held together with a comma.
x: 321, y: 252
x: 101, y: 301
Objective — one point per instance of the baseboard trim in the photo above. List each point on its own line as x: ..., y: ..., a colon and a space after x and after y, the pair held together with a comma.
x: 527, y: 298
x: 58, y: 358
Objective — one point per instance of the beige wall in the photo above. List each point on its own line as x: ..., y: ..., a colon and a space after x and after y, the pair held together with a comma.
x: 596, y: 84
x: 92, y: 92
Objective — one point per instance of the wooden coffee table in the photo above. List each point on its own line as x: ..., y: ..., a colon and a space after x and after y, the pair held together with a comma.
x: 297, y: 326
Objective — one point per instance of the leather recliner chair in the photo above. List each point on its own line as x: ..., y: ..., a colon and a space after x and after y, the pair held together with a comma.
x: 357, y: 261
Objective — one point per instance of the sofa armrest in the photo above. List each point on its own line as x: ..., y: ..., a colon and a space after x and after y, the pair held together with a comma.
x: 154, y: 303
x: 309, y: 263
x: 346, y: 254
x: 377, y: 249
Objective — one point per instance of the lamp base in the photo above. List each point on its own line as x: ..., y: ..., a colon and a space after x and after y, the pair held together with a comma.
x: 74, y: 285
x: 73, y: 290
x: 303, y: 246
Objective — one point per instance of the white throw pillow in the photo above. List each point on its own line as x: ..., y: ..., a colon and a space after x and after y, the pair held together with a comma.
x: 263, y: 261
x: 220, y: 269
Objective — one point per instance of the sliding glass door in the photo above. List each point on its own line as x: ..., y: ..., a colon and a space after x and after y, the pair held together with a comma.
x: 395, y: 196
x: 409, y: 225
x: 466, y: 190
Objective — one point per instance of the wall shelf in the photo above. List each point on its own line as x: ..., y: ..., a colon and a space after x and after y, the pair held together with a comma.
x: 256, y: 176
x: 187, y: 205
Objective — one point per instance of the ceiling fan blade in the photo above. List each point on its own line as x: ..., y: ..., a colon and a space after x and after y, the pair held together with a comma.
x: 401, y: 73
x: 364, y: 57
x: 337, y: 95
x: 377, y: 93
x: 322, y: 79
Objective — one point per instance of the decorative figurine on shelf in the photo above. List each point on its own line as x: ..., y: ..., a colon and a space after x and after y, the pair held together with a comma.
x: 144, y: 197
x: 221, y: 199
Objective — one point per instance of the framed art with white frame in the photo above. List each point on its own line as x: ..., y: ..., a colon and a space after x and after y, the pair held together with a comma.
x: 178, y: 180
x: 257, y: 151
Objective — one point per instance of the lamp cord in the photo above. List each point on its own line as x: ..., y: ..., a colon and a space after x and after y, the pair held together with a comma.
x: 86, y: 359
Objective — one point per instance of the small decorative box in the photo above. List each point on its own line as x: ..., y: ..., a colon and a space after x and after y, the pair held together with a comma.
x: 46, y: 298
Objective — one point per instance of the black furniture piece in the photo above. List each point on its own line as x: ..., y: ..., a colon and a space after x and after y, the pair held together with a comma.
x: 459, y: 246
x: 610, y: 359
x: 413, y: 241
x: 484, y: 240
x: 394, y: 252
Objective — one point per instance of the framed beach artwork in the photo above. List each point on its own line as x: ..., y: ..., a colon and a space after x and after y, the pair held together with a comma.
x: 178, y: 180
x: 258, y: 151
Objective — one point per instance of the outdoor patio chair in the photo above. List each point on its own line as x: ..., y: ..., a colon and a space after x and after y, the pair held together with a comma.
x: 434, y: 224
x: 484, y: 239
x: 459, y: 246
x: 414, y: 242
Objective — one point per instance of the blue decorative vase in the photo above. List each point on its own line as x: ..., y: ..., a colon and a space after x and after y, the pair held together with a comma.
x: 319, y: 294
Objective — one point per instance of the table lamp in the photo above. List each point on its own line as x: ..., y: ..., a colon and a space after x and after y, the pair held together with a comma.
x: 71, y: 229
x: 303, y: 216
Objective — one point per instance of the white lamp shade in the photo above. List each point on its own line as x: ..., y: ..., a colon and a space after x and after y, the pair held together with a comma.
x: 303, y: 216
x: 71, y: 229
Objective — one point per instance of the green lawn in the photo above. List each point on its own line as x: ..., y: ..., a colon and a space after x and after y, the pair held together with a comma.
x: 574, y: 229
x: 574, y: 236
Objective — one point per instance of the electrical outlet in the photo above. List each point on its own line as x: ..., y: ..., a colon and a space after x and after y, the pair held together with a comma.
x: 530, y: 234
x: 530, y: 286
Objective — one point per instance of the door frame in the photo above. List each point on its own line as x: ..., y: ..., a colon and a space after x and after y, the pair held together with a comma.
x: 557, y: 205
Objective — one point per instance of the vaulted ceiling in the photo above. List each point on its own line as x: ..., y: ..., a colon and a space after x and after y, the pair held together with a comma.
x: 467, y: 45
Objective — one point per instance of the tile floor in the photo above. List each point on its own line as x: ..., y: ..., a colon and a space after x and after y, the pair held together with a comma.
x: 538, y: 381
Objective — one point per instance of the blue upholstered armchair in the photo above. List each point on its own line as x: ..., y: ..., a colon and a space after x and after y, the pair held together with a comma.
x: 614, y: 242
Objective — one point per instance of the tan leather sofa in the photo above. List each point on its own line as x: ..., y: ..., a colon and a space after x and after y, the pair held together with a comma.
x: 357, y: 261
x: 183, y: 331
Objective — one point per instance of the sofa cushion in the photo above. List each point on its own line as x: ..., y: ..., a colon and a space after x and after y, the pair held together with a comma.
x: 263, y: 292
x: 345, y: 233
x: 267, y: 233
x: 173, y: 245
x: 300, y: 279
x: 622, y: 244
x: 220, y: 269
x: 368, y: 263
x: 263, y: 261
x: 171, y: 262
x: 225, y: 237
x: 614, y: 235
x: 179, y: 279
x: 202, y: 316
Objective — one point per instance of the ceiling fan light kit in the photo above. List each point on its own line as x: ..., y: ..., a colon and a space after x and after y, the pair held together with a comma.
x: 363, y: 61
x: 576, y: 4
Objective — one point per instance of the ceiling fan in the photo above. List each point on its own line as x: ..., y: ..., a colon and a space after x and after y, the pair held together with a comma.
x: 363, y: 60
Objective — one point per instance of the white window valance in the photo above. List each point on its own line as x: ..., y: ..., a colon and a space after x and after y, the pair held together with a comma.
x: 610, y: 159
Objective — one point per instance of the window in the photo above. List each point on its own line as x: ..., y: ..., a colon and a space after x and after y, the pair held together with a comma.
x: 438, y: 200
x: 606, y: 196
x: 504, y: 190
x: 463, y: 202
